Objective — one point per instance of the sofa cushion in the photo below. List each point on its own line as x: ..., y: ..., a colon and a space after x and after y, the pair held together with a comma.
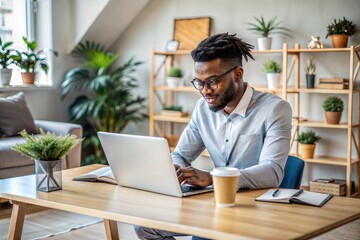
x: 9, y: 158
x: 15, y: 116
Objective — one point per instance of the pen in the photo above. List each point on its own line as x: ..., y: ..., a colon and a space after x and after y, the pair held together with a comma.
x: 298, y: 192
x: 276, y: 192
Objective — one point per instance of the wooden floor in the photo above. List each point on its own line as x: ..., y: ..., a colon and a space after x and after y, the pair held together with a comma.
x: 349, y: 231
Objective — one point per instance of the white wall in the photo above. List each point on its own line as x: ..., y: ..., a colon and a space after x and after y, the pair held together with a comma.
x: 154, y: 27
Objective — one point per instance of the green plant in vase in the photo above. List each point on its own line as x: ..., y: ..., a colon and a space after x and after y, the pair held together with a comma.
x: 6, y: 60
x: 333, y: 107
x: 30, y: 59
x: 47, y: 151
x: 339, y: 31
x: 265, y: 28
x: 307, y: 141
x: 272, y: 70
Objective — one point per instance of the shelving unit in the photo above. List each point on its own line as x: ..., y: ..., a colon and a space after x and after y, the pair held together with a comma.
x: 350, y: 162
x: 161, y: 125
x: 164, y: 125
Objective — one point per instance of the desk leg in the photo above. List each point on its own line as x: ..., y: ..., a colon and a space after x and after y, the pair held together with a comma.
x: 17, y: 220
x: 111, y: 230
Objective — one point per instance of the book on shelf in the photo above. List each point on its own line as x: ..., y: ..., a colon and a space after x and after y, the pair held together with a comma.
x: 172, y: 113
x: 295, y: 196
x: 323, y: 85
x: 334, y: 80
x: 103, y: 174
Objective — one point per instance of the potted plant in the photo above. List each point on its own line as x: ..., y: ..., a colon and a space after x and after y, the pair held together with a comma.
x: 47, y: 150
x: 28, y: 60
x: 105, y: 100
x: 310, y: 69
x: 339, y: 31
x: 307, y: 141
x: 265, y: 28
x: 6, y: 59
x: 333, y: 107
x: 174, y: 77
x: 272, y: 70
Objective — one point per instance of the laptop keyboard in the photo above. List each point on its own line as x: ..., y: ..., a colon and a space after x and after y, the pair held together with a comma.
x: 188, y: 188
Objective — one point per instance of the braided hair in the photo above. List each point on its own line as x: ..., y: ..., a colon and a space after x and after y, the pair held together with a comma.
x: 225, y: 46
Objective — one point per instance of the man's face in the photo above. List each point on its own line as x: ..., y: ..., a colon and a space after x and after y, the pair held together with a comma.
x: 219, y: 95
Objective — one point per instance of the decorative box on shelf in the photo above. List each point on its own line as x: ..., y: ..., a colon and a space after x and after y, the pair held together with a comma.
x: 334, y: 186
x: 172, y: 113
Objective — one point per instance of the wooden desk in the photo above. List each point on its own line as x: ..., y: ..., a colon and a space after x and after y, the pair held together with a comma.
x: 196, y: 215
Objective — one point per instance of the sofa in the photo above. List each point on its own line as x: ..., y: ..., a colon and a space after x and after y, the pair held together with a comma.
x: 13, y: 164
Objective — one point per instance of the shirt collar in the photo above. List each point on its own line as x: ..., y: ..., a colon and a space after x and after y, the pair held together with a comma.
x: 244, y: 101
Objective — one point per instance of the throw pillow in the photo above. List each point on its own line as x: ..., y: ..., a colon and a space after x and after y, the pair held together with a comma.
x: 15, y: 116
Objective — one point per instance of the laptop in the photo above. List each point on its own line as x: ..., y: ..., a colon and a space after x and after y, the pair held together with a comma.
x: 144, y: 163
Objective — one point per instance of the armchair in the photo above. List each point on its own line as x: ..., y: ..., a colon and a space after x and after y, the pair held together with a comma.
x: 13, y: 164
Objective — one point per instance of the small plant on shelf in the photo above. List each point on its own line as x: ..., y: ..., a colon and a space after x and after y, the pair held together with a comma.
x: 271, y: 66
x: 265, y: 28
x: 307, y: 141
x: 310, y: 69
x: 339, y: 31
x: 174, y: 76
x: 173, y: 108
x: 333, y: 107
x: 175, y: 72
x: 272, y: 70
x: 308, y: 137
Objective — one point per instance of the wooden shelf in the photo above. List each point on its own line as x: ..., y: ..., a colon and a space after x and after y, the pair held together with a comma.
x: 175, y: 89
x: 163, y: 118
x: 329, y: 160
x: 322, y: 124
x: 323, y: 50
x: 263, y: 88
x: 329, y: 91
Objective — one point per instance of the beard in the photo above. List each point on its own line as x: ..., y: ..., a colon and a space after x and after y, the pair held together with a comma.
x: 225, y: 98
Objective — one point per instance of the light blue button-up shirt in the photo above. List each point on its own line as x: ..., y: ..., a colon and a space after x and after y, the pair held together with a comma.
x: 254, y: 138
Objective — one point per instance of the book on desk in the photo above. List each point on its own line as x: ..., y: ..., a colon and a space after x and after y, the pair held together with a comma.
x: 103, y: 174
x: 295, y: 196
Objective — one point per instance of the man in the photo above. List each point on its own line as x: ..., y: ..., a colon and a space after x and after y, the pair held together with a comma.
x: 239, y: 126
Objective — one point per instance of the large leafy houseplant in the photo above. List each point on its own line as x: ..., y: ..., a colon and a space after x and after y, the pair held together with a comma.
x: 107, y: 103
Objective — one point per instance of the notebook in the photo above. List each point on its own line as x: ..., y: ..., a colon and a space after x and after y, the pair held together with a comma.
x: 295, y: 196
x: 144, y: 163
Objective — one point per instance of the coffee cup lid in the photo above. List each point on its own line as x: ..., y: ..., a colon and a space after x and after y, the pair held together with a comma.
x: 225, y: 171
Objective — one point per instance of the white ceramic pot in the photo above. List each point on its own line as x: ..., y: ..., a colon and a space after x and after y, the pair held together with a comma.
x: 264, y: 43
x: 5, y: 77
x: 173, y: 81
x: 273, y: 80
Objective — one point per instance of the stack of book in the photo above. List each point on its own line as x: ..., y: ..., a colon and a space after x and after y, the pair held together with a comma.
x: 333, y: 83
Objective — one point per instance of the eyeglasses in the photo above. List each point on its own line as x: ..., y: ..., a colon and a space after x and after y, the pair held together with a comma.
x: 210, y: 83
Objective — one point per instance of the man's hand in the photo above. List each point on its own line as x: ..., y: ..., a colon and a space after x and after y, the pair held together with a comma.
x: 193, y: 176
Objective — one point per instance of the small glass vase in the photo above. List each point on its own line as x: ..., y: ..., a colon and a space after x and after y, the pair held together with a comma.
x: 48, y: 175
x: 314, y: 43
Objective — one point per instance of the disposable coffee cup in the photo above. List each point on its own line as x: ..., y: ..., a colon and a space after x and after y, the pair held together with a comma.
x: 225, y: 182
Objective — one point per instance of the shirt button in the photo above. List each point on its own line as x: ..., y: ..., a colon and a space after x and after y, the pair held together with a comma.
x: 227, y: 140
x: 227, y: 164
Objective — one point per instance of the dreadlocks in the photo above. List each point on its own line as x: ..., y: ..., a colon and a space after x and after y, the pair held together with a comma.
x: 223, y: 45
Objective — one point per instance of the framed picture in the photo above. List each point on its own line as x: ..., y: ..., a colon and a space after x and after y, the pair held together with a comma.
x: 172, y: 45
x: 190, y: 31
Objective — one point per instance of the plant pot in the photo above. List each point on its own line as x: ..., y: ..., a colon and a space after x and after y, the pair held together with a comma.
x: 48, y: 175
x: 173, y: 81
x: 28, y: 77
x: 307, y: 150
x: 310, y: 80
x: 5, y: 76
x: 273, y: 80
x: 339, y: 40
x: 264, y: 43
x: 333, y: 117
